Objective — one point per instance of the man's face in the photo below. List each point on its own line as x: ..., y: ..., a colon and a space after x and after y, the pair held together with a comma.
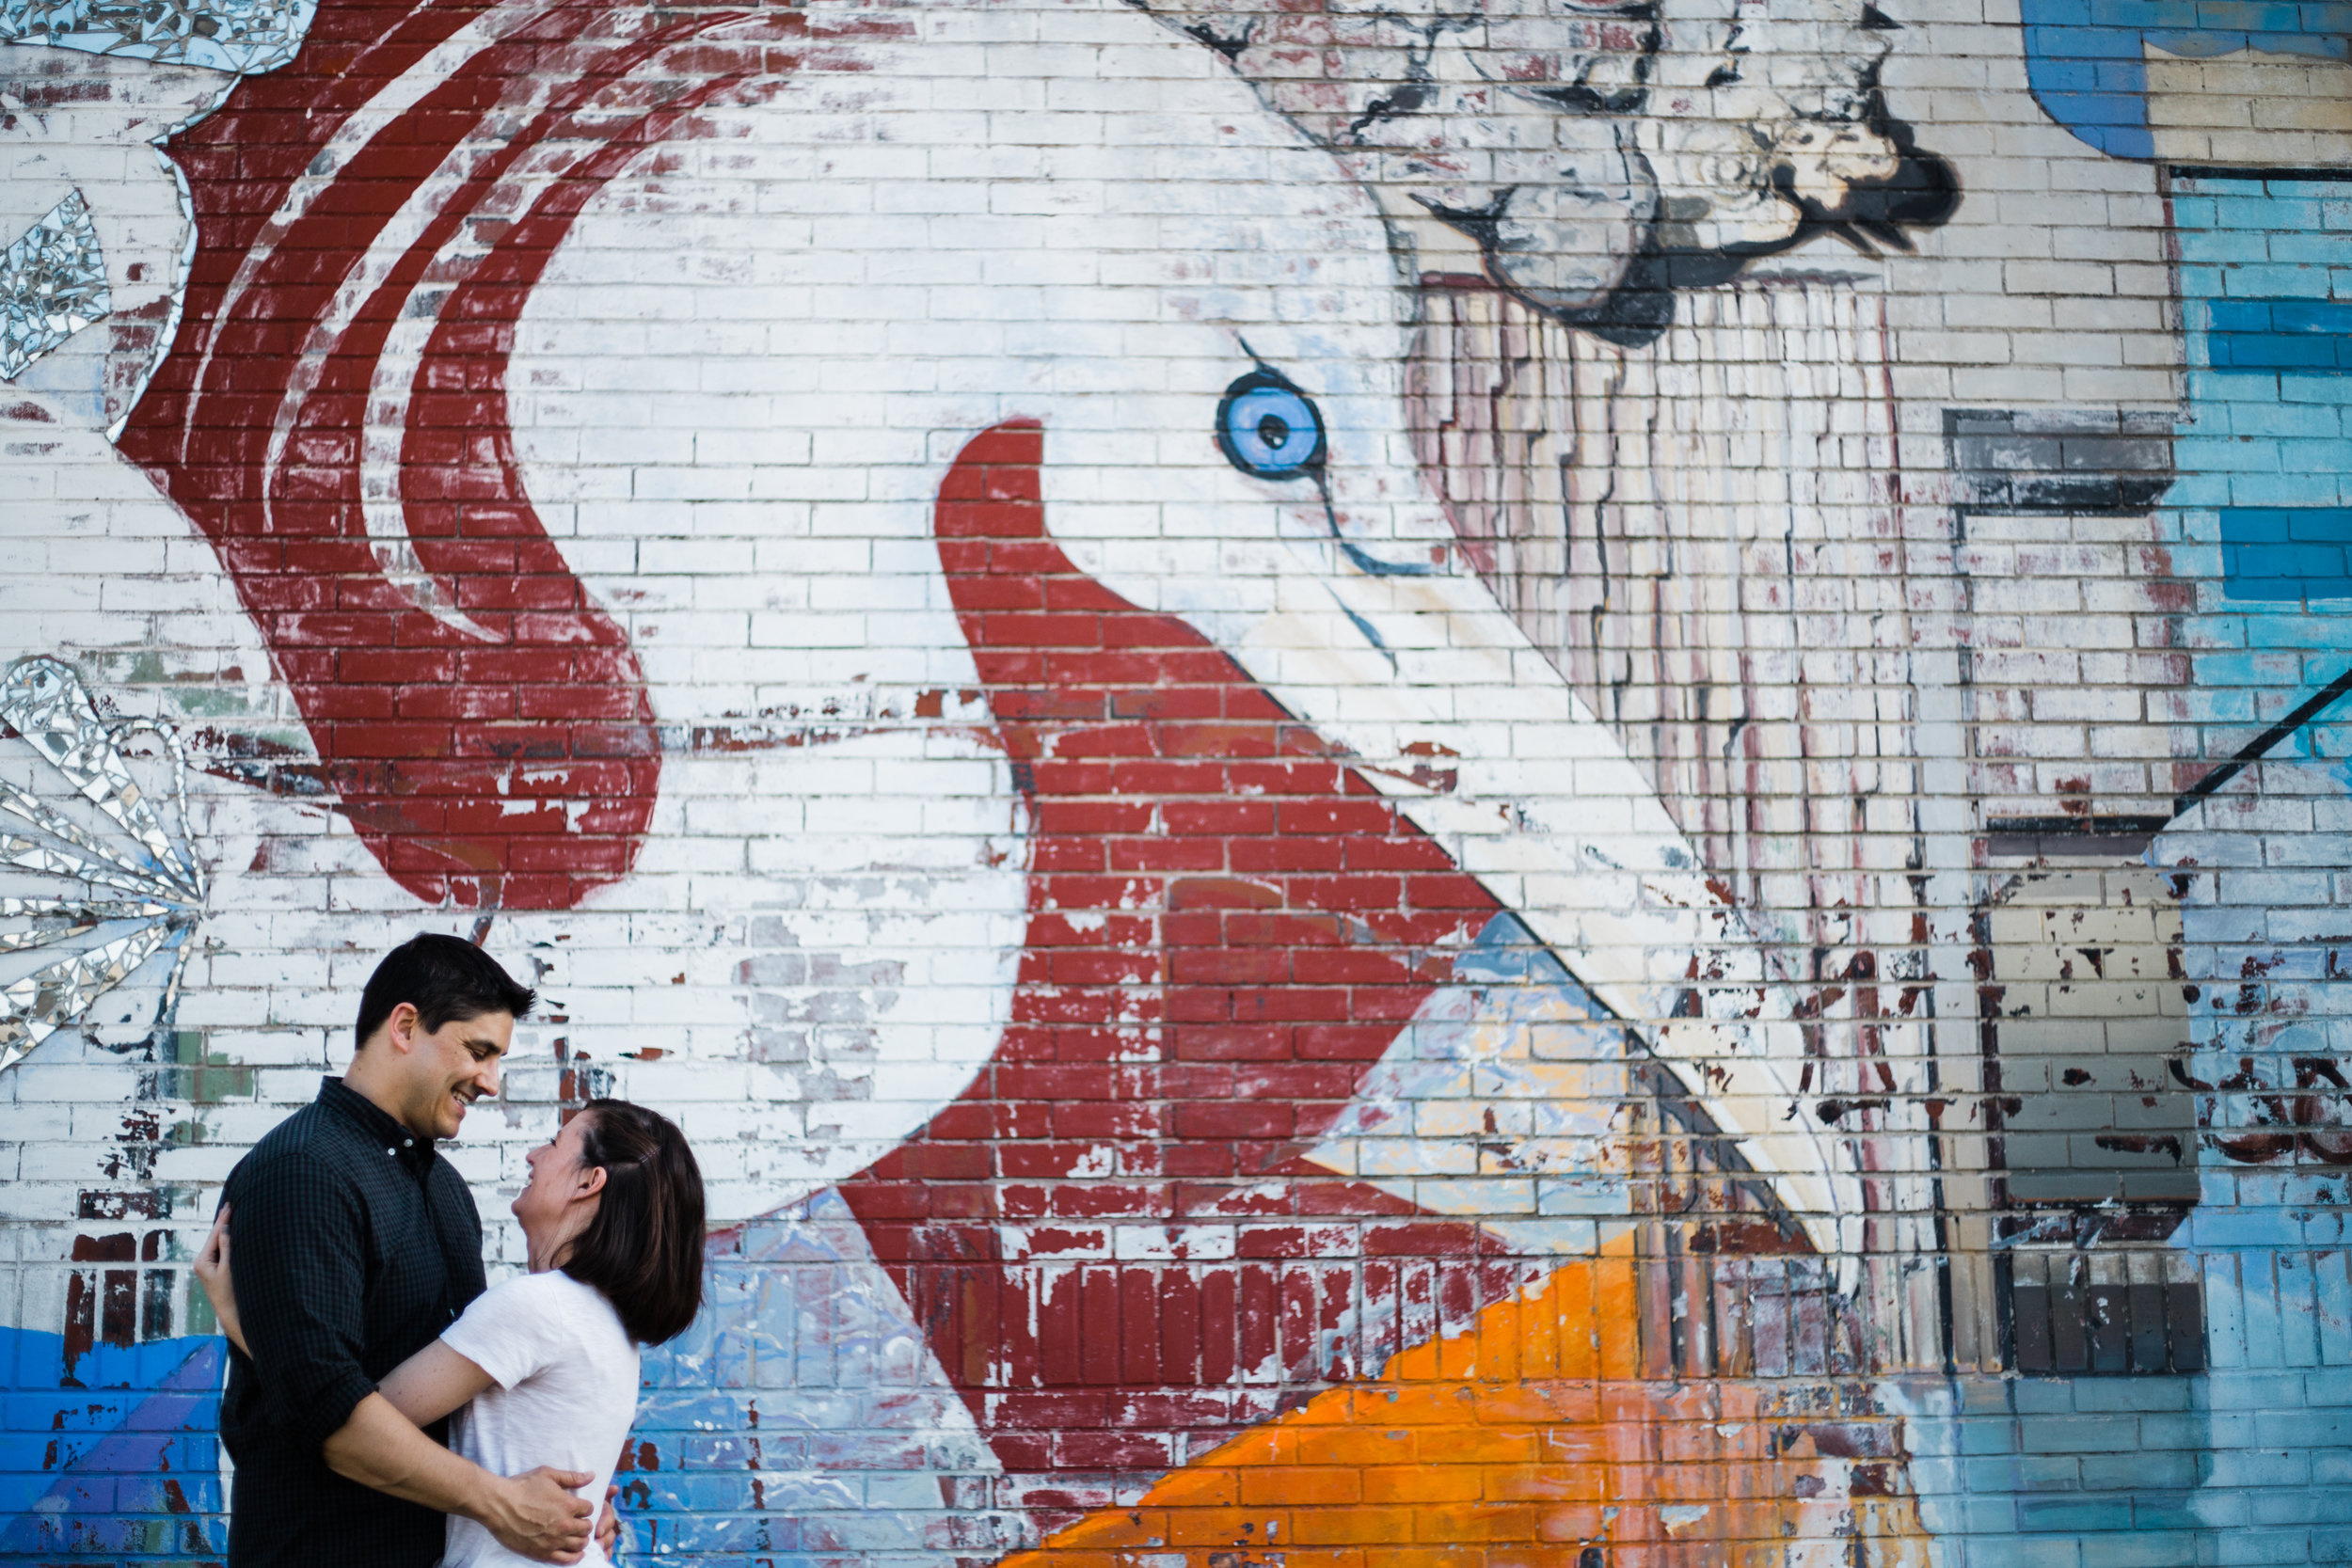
x: 449, y: 1068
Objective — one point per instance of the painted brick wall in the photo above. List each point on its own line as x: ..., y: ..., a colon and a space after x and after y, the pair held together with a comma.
x: 1472, y: 785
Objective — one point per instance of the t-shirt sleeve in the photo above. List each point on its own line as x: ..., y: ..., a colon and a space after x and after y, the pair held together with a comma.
x: 514, y: 1329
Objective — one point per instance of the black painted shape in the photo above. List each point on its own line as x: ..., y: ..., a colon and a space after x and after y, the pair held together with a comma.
x: 2107, y: 462
x: 2030, y: 1314
x: 2104, y: 1310
x: 2260, y: 176
x: 2310, y: 709
x: 2107, y: 1330
x: 2058, y: 837
x: 2185, y: 1315
x: 2146, y: 1307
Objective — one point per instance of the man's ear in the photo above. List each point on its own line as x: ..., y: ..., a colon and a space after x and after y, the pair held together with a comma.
x: 400, y: 1028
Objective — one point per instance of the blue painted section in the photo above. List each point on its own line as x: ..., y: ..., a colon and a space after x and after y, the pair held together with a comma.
x: 2265, y: 493
x: 2287, y: 554
x: 2269, y: 1237
x: 2289, y: 335
x: 110, y: 1451
x: 804, y: 1414
x: 244, y: 36
x: 2263, y: 504
x: 2084, y: 57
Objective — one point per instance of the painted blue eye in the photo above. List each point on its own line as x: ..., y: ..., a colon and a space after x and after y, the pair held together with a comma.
x: 1268, y: 428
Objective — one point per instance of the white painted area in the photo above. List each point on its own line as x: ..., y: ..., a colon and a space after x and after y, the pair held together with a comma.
x: 870, y: 287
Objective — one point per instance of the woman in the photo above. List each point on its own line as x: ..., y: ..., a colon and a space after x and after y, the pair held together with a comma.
x: 542, y: 1369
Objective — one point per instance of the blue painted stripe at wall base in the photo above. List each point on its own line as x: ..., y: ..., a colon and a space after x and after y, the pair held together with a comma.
x: 110, y: 1453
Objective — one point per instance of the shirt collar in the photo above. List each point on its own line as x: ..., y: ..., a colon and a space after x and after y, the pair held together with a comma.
x: 374, y: 1124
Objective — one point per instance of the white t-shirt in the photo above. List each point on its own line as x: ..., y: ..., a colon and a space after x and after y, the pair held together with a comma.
x: 566, y: 1391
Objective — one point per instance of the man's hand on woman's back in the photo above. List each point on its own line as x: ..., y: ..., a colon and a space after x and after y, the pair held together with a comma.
x: 535, y: 1514
x: 539, y: 1514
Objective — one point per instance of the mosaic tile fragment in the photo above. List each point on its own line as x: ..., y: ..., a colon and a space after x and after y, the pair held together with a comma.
x: 224, y: 35
x: 90, y: 899
x: 52, y: 283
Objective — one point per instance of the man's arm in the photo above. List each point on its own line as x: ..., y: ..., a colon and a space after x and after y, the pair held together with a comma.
x: 535, y: 1514
x: 299, y: 1275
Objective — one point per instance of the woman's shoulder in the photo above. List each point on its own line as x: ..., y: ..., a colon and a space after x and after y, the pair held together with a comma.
x: 537, y: 1298
x: 551, y: 1312
x: 586, y: 1306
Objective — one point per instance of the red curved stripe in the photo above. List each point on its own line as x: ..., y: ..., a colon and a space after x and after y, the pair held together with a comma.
x: 517, y: 770
x: 1227, y: 929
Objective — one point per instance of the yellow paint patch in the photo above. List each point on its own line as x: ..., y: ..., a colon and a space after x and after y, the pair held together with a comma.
x: 1522, y: 1444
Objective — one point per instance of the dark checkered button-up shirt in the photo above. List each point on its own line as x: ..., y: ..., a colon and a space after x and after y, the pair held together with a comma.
x: 354, y: 1245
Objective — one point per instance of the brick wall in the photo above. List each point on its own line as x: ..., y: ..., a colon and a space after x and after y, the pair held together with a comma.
x: 1429, y: 787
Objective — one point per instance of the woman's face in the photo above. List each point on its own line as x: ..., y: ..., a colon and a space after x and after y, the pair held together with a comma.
x: 562, y: 1194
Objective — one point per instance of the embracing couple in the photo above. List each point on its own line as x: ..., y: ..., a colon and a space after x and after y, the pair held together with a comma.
x: 383, y: 1408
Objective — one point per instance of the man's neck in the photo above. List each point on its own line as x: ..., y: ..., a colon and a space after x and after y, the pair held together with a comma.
x: 376, y: 1087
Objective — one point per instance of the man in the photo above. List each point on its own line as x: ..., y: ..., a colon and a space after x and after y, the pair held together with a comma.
x: 357, y: 1244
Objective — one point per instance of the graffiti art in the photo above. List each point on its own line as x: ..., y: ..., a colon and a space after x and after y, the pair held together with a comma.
x: 1492, y: 784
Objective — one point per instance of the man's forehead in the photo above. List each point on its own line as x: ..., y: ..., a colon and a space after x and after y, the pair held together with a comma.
x: 494, y: 1029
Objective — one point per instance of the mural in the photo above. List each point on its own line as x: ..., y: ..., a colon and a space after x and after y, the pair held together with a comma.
x: 1539, y: 783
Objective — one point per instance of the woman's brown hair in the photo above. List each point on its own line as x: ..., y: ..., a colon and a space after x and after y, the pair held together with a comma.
x: 644, y: 1249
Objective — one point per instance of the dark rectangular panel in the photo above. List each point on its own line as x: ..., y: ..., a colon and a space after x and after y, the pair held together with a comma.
x: 2185, y: 1319
x: 2029, y: 1312
x: 2148, y: 1328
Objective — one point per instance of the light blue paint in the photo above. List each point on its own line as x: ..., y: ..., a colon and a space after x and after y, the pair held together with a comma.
x: 804, y: 1412
x: 2270, y: 1238
x: 2265, y: 493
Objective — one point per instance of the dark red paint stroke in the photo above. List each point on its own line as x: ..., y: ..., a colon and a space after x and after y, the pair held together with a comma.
x: 473, y: 527
x: 1228, y: 926
x: 519, y: 771
x: 523, y: 770
x: 241, y: 163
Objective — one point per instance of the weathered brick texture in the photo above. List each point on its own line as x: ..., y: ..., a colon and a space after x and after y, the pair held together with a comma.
x: 1471, y: 786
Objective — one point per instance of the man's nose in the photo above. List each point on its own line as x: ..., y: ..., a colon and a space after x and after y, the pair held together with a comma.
x: 487, y: 1076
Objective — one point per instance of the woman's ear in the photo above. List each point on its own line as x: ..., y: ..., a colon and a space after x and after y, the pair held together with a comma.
x: 590, y: 1181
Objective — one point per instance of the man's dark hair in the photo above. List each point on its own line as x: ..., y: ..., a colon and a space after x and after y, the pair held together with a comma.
x: 447, y: 979
x: 644, y: 1248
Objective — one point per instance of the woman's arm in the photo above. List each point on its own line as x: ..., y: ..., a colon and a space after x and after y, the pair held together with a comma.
x: 432, y: 1383
x: 212, y: 1272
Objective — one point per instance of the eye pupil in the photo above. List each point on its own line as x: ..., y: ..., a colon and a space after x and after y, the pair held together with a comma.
x: 1272, y: 431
